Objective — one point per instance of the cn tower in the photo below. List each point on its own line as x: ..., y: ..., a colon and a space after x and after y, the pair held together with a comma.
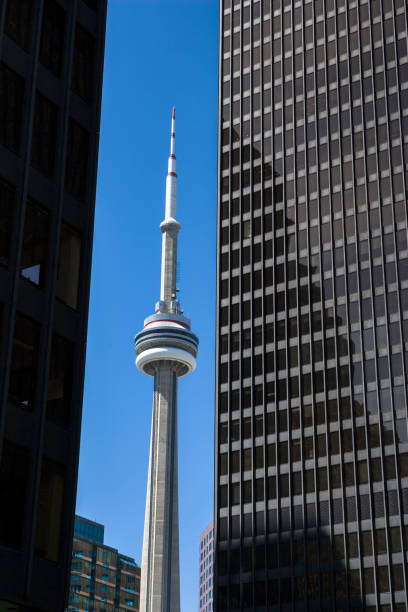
x: 166, y: 349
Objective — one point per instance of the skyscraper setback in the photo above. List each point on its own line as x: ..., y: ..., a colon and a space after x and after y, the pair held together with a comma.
x: 312, y: 306
x: 51, y: 61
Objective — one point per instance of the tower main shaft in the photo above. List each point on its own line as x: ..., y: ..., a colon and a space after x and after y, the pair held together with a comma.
x: 160, y: 580
x: 166, y: 349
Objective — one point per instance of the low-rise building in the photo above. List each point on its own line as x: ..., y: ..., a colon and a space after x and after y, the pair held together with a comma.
x: 102, y: 579
x: 206, y: 585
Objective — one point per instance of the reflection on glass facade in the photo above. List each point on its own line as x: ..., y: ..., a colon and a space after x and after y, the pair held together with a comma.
x: 311, y: 441
x: 49, y: 133
x: 102, y: 580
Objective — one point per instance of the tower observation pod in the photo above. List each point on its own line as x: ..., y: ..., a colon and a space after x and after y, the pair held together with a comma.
x: 166, y: 349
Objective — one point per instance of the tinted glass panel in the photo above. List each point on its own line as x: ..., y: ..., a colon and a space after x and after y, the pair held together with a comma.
x: 24, y: 361
x: 7, y: 199
x: 44, y: 138
x: 52, y: 37
x: 77, y: 160
x: 35, y: 244
x: 49, y: 511
x: 60, y: 381
x: 19, y: 21
x: 14, y: 471
x: 11, y: 108
x: 68, y: 266
x: 84, y: 64
x: 92, y: 4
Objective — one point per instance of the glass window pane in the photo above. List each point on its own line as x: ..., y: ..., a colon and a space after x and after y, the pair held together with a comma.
x: 7, y: 199
x: 52, y: 37
x: 77, y: 160
x: 19, y: 21
x: 35, y: 244
x: 68, y: 266
x: 11, y: 108
x: 60, y: 381
x: 14, y: 472
x: 24, y: 361
x: 49, y: 511
x: 84, y: 64
x: 44, y: 135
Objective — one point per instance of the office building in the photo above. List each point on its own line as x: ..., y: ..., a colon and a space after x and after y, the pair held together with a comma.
x: 166, y: 349
x: 51, y: 61
x: 312, y: 307
x: 206, y: 575
x: 102, y: 579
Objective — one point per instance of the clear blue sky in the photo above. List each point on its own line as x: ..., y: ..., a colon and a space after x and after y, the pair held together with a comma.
x: 159, y: 53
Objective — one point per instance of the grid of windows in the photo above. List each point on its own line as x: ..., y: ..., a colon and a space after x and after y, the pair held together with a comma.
x: 49, y: 130
x: 206, y: 575
x: 102, y: 579
x: 312, y: 444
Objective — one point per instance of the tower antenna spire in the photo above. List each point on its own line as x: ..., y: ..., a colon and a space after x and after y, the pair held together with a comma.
x: 171, y: 180
x: 173, y: 132
x: 170, y: 229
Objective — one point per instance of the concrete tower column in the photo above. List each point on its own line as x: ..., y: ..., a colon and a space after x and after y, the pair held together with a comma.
x: 166, y: 349
x: 160, y: 586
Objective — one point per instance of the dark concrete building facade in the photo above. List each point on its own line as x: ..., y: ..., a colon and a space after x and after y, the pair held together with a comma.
x: 311, y: 495
x: 102, y: 579
x: 51, y: 63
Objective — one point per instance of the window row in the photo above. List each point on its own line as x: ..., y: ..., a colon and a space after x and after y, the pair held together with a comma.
x: 338, y: 179
x: 370, y: 371
x: 313, y: 547
x: 284, y: 301
x: 35, y: 253
x: 370, y: 341
x: 15, y: 474
x: 282, y: 9
x: 342, y: 202
x: 44, y: 133
x: 336, y: 587
x: 327, y: 52
x: 390, y: 243
x: 321, y: 412
x: 23, y: 378
x: 357, y: 281
x: 323, y: 445
x: 322, y: 33
x: 277, y: 488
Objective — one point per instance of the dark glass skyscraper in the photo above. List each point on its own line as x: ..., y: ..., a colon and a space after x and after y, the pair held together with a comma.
x: 51, y: 60
x: 312, y: 320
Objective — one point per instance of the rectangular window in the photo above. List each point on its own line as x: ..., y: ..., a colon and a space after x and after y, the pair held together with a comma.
x: 83, y: 68
x: 77, y: 160
x: 92, y: 4
x: 35, y: 244
x: 14, y: 473
x: 50, y: 509
x: 68, y: 266
x: 44, y: 136
x: 52, y: 37
x: 24, y: 361
x: 19, y: 21
x: 60, y: 381
x: 7, y: 200
x: 11, y: 108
